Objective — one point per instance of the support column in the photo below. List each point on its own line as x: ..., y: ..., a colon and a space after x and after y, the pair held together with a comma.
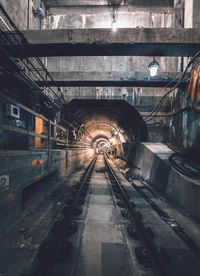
x: 192, y: 13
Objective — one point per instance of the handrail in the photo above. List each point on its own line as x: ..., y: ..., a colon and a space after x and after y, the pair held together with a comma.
x: 7, y: 98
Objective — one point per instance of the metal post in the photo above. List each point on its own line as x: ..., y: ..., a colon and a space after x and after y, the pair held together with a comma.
x: 49, y: 142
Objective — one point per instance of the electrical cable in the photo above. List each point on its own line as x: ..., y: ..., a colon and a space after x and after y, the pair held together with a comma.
x: 173, y: 88
x: 186, y: 163
x: 186, y: 108
x: 24, y: 41
x: 146, y: 117
x: 170, y: 115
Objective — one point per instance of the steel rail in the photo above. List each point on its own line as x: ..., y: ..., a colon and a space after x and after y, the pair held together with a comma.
x: 178, y: 230
x: 159, y: 262
x: 170, y: 221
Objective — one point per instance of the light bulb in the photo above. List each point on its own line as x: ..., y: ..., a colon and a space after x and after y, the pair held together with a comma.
x: 153, y: 68
x: 114, y: 25
x: 153, y: 71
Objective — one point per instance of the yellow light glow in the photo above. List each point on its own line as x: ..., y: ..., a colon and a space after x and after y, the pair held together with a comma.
x: 112, y: 141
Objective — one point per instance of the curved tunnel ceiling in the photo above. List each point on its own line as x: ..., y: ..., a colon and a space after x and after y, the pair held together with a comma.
x: 114, y: 120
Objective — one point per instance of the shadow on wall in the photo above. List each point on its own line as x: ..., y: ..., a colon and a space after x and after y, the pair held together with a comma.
x: 125, y: 151
x: 191, y: 132
x: 159, y: 173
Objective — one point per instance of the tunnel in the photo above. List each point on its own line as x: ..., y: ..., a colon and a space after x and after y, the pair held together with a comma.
x: 99, y: 137
x: 113, y: 124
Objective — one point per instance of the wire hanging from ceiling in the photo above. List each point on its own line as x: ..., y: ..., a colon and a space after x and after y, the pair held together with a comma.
x: 181, y: 77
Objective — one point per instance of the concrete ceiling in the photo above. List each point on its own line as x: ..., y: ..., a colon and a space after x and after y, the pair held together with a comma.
x: 75, y: 3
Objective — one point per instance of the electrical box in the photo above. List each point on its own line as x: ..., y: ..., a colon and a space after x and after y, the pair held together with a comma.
x: 12, y: 111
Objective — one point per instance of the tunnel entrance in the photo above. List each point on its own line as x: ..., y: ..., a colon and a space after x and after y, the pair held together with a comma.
x: 113, y: 126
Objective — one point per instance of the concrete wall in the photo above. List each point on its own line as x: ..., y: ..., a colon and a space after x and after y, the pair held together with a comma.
x: 110, y: 63
x: 136, y: 96
x: 152, y: 162
x: 185, y: 127
x: 125, y: 151
x: 21, y: 169
x: 127, y: 17
x: 20, y: 12
x: 77, y: 158
x: 186, y: 131
x: 192, y: 15
x: 133, y: 16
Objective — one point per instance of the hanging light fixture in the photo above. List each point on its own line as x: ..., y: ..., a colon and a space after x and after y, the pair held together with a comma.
x: 153, y: 68
x: 114, y: 5
x: 114, y: 24
x: 114, y: 19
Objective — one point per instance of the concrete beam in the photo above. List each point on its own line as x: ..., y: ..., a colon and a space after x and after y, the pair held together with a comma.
x: 106, y: 10
x: 105, y: 42
x: 74, y: 3
x: 112, y: 79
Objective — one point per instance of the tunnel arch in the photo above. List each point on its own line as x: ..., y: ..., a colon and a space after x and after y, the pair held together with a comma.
x: 115, y: 120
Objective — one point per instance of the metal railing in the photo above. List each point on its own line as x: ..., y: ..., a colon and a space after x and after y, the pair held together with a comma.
x: 29, y: 69
x: 64, y: 141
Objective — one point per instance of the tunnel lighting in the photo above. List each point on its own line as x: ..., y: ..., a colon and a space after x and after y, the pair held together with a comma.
x: 114, y: 25
x: 90, y: 152
x: 153, y: 68
x: 112, y: 141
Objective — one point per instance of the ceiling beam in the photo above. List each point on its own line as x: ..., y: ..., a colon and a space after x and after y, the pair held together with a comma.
x: 106, y: 10
x: 113, y: 79
x: 149, y: 83
x: 74, y: 3
x: 105, y: 42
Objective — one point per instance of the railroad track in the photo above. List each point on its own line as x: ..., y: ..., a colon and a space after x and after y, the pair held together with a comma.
x: 174, y: 225
x: 150, y: 253
x: 153, y: 254
x: 56, y: 248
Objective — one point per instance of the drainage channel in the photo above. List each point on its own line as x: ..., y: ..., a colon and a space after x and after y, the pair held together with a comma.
x: 164, y: 244
x: 171, y: 222
x: 148, y: 252
x: 56, y: 247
